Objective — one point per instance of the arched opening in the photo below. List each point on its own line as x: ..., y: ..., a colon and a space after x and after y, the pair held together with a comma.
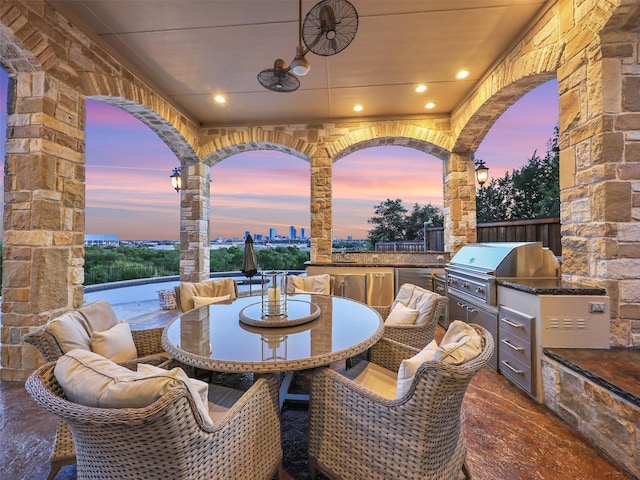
x: 259, y: 192
x: 369, y: 176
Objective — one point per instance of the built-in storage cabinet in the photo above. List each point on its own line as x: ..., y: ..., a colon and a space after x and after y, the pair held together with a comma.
x: 516, y: 333
x: 531, y: 321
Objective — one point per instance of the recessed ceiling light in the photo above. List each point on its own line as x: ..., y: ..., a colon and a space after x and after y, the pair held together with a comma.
x: 357, y: 108
x: 220, y: 99
x: 462, y: 74
x: 421, y: 88
x: 430, y: 105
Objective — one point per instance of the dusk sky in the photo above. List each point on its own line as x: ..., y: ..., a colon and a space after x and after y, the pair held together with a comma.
x: 129, y: 192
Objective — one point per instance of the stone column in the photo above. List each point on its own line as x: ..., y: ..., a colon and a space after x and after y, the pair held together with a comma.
x: 599, y: 86
x: 44, y: 218
x: 194, y: 223
x: 459, y: 201
x: 321, y: 198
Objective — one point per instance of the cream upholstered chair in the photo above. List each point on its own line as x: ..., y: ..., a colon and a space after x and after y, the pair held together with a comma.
x: 320, y: 284
x: 413, y: 316
x: 75, y: 329
x: 190, y: 295
x: 168, y: 438
x: 357, y: 432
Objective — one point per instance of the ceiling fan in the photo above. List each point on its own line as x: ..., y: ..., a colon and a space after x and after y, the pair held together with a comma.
x: 328, y: 28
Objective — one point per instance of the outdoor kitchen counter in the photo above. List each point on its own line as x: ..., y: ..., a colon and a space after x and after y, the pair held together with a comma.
x: 551, y: 287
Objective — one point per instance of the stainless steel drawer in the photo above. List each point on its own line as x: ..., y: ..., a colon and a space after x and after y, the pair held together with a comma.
x: 517, y: 371
x: 515, y: 345
x: 516, y: 323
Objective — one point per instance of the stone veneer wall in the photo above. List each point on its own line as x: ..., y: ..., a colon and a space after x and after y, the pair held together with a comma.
x: 605, y: 419
x: 590, y: 45
x: 412, y: 259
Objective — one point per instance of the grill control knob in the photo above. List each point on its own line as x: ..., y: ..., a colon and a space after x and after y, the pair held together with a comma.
x: 465, y: 285
x: 479, y: 290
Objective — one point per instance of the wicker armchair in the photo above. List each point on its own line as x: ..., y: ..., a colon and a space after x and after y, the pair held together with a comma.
x: 150, y: 351
x: 355, y: 433
x: 420, y: 334
x: 167, y: 439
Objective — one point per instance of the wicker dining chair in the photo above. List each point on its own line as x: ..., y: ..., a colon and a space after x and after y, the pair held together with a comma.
x: 149, y: 347
x: 168, y: 438
x: 355, y: 433
x: 430, y: 306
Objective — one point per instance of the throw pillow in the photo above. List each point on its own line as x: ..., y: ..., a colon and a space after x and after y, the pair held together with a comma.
x: 424, y: 301
x: 401, y: 315
x: 94, y: 381
x: 460, y: 344
x: 116, y: 344
x: 202, y: 301
x: 69, y: 331
x: 409, y: 367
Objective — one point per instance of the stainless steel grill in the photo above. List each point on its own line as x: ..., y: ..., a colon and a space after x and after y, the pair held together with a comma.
x: 472, y: 274
x: 475, y: 268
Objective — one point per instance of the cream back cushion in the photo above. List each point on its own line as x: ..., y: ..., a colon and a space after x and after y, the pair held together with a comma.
x: 460, y: 344
x: 409, y: 367
x: 417, y: 298
x: 94, y: 381
x: 210, y: 288
x: 202, y: 301
x: 99, y: 316
x: 309, y: 284
x: 70, y: 331
x: 401, y: 315
x: 116, y: 343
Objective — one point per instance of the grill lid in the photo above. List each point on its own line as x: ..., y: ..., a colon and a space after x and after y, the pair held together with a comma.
x: 509, y: 259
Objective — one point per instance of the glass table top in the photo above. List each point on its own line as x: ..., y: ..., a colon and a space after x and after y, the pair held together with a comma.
x: 214, y: 337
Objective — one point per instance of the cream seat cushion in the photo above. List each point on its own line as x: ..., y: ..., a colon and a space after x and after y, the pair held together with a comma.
x: 116, y: 343
x: 309, y: 284
x: 210, y: 288
x: 401, y: 315
x: 202, y: 301
x: 374, y: 378
x: 94, y: 381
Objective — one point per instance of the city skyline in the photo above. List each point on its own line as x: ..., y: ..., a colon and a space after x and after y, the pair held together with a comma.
x: 129, y: 193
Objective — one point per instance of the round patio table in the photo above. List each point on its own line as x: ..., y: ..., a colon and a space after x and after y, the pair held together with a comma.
x: 213, y: 337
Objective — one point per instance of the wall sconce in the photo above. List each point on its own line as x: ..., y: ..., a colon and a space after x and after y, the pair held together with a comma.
x: 482, y: 172
x: 176, y: 179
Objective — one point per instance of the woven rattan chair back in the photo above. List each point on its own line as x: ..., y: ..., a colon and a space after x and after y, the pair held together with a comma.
x: 167, y: 439
x: 356, y: 434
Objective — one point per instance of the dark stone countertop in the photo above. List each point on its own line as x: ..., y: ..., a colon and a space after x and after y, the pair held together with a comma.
x: 376, y: 265
x: 551, y: 287
x: 615, y: 369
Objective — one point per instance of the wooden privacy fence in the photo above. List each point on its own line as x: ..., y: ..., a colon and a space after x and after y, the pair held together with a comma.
x: 545, y: 230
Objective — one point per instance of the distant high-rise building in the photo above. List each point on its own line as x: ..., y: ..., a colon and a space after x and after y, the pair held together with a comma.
x: 349, y: 238
x: 272, y: 233
x: 302, y: 234
x: 258, y: 237
x: 246, y: 234
x: 292, y: 232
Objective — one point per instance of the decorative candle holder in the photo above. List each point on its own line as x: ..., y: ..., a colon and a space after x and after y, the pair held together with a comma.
x: 274, y: 294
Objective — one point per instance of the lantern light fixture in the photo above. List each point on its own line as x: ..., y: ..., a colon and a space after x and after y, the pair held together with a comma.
x: 176, y: 179
x: 482, y: 172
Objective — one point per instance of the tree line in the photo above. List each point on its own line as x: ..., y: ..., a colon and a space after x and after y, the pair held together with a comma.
x: 530, y: 192
x: 114, y: 264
